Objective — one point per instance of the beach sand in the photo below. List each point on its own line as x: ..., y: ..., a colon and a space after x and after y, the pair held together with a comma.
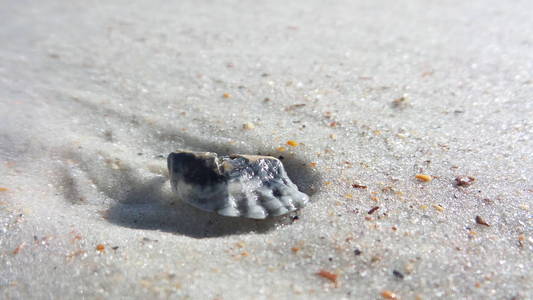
x: 391, y: 105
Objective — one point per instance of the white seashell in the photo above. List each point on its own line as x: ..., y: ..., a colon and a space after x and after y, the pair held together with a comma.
x: 236, y: 185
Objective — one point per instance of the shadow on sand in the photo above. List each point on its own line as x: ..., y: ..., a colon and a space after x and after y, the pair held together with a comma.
x: 151, y: 205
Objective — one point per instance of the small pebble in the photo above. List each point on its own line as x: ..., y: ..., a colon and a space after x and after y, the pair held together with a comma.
x: 389, y: 295
x: 248, y: 126
x: 401, y: 102
x: 359, y: 186
x: 521, y: 240
x: 480, y: 221
x: 464, y: 180
x: 292, y: 143
x: 423, y: 177
x: 19, y: 248
x: 409, y: 268
x: 438, y: 207
x: 373, y: 209
x: 397, y: 274
x: 328, y: 275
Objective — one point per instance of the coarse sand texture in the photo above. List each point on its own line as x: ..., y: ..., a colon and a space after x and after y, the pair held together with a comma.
x: 405, y: 127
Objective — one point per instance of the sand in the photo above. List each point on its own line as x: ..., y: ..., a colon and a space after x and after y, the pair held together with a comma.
x: 95, y: 94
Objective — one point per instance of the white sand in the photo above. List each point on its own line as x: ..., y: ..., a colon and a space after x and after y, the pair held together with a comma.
x: 95, y: 94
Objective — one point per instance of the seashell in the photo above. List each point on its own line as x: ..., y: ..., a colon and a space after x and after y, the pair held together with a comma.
x: 236, y: 185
